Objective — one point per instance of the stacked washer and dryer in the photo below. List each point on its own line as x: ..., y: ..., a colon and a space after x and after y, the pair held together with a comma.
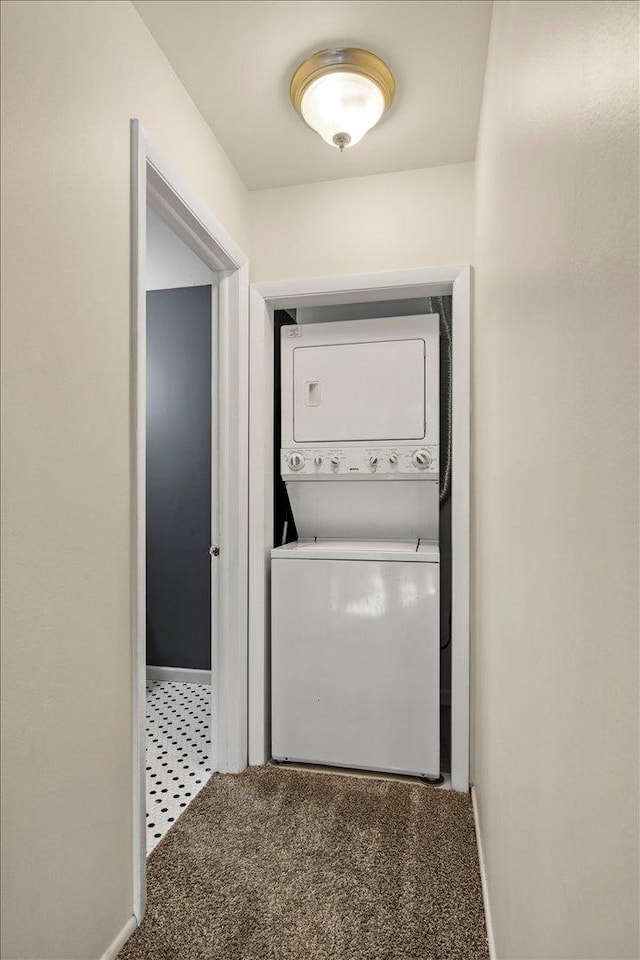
x: 355, y: 640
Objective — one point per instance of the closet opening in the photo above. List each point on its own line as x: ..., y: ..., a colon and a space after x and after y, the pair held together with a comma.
x: 338, y: 493
x: 284, y: 526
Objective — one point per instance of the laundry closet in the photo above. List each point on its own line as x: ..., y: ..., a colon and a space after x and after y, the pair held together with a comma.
x: 361, y: 564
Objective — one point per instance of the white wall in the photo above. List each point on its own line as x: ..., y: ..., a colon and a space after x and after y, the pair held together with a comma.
x: 556, y: 481
x: 414, y: 218
x: 170, y: 262
x: 73, y: 74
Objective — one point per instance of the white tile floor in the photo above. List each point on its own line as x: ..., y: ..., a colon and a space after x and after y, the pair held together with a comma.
x: 178, y: 751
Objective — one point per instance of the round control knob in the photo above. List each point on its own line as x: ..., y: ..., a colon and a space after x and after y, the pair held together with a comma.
x: 318, y: 461
x: 393, y: 458
x: 295, y: 461
x: 421, y: 459
x: 335, y: 462
x: 374, y: 460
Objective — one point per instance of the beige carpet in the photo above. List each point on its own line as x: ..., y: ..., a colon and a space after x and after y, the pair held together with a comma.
x: 283, y: 864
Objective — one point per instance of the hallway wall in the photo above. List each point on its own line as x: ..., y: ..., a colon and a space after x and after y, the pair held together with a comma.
x: 556, y: 480
x: 414, y: 218
x: 73, y: 74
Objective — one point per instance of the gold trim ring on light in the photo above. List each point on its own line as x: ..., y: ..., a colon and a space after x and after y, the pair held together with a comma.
x: 342, y: 59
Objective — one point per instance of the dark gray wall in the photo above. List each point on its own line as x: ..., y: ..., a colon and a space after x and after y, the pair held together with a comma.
x: 179, y: 477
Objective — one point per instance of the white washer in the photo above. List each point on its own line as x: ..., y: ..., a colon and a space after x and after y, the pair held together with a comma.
x: 356, y: 654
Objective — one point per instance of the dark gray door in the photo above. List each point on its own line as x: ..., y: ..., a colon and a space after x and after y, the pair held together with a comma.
x: 178, y: 458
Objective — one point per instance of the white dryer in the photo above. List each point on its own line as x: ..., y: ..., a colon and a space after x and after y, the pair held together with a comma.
x: 355, y: 601
x: 355, y: 655
x: 360, y: 427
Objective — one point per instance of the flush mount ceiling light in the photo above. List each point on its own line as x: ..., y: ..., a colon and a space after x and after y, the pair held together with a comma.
x: 342, y: 93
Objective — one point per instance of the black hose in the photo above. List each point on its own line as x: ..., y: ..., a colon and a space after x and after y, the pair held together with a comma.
x: 443, y: 646
x: 442, y: 306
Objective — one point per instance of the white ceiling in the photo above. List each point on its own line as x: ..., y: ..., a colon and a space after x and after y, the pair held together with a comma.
x: 170, y: 262
x: 235, y: 57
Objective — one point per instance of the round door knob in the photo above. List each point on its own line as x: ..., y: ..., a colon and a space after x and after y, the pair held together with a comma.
x: 295, y: 461
x: 318, y: 461
x: 421, y: 459
x: 393, y: 458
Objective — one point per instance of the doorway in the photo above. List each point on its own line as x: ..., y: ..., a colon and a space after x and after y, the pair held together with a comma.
x: 353, y: 294
x: 284, y: 526
x: 181, y: 523
x: 219, y: 507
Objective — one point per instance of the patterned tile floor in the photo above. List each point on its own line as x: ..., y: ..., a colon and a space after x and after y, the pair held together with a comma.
x: 178, y: 751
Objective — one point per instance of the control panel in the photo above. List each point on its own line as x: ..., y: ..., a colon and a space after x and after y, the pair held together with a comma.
x: 403, y: 460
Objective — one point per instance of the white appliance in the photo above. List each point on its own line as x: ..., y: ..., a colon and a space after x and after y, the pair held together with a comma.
x: 355, y: 655
x: 355, y: 601
x: 360, y: 403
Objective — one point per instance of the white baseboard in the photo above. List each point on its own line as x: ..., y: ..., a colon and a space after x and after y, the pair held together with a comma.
x: 116, y: 946
x: 179, y: 674
x: 483, y: 879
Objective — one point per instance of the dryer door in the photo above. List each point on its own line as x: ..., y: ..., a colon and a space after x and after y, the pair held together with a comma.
x: 369, y: 391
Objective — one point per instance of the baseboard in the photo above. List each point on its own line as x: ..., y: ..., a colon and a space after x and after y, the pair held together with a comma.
x: 179, y: 674
x: 116, y: 946
x: 483, y: 879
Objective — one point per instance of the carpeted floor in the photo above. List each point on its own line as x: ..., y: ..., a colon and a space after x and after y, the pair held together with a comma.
x: 283, y: 864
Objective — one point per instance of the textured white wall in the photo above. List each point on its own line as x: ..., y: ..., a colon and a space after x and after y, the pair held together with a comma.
x: 414, y: 218
x: 73, y: 74
x: 556, y: 481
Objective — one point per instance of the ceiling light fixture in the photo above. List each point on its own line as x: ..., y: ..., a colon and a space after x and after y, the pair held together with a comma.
x: 342, y: 93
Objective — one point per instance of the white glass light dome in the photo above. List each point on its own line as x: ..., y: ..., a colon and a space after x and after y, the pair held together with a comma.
x: 342, y: 93
x: 342, y: 107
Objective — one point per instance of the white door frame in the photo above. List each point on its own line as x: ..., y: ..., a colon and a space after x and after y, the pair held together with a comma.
x: 152, y: 176
x: 265, y: 298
